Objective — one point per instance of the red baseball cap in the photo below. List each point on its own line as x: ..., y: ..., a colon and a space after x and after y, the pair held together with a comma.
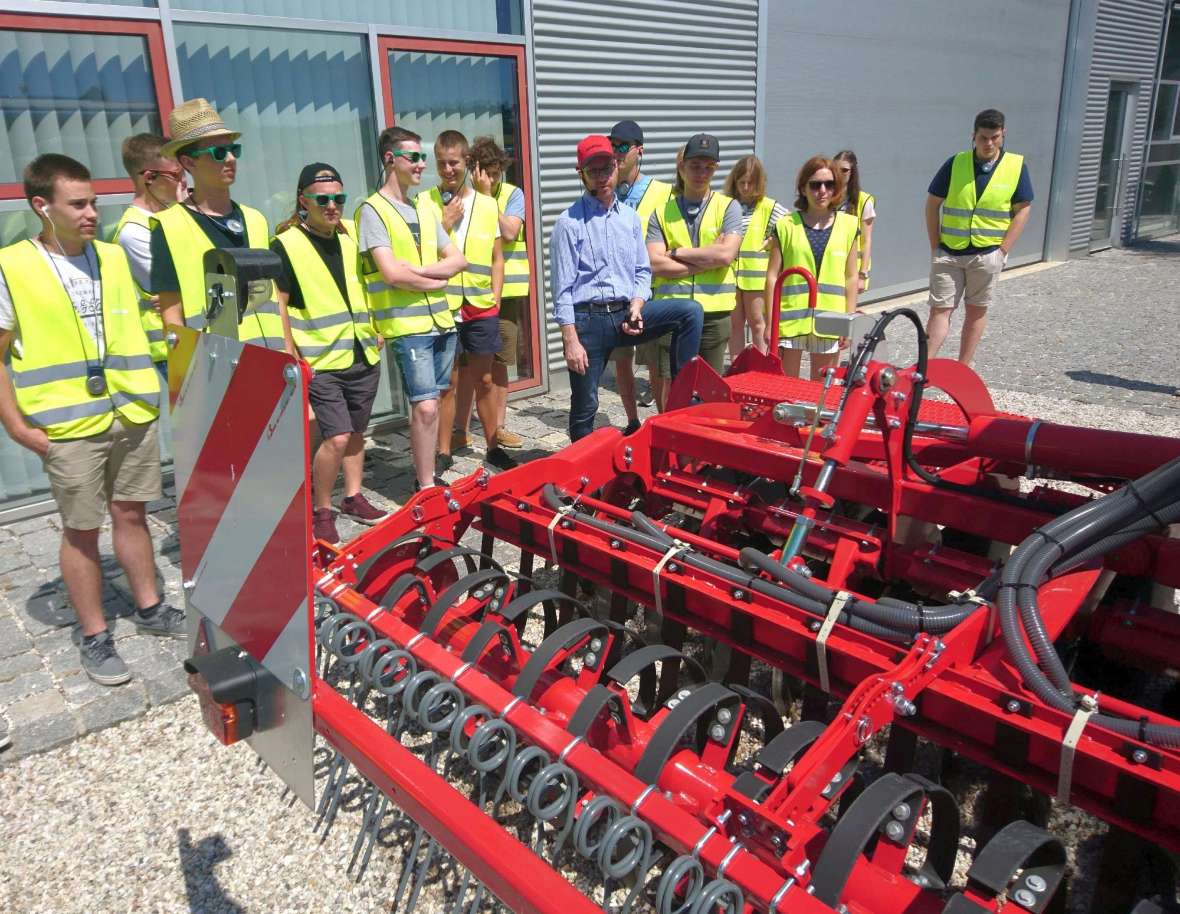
x: 593, y: 146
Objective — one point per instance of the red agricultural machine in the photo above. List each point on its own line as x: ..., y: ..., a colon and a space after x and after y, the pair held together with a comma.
x: 738, y: 661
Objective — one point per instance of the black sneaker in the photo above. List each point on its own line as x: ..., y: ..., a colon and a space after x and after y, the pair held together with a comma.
x: 443, y: 462
x: 101, y: 661
x: 632, y: 427
x: 165, y: 620
x: 500, y: 459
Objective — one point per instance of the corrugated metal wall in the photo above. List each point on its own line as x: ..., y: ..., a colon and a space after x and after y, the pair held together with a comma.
x: 678, y: 67
x: 901, y: 83
x: 1126, y: 50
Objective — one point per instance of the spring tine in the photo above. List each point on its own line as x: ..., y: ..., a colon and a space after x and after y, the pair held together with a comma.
x: 370, y: 806
x: 408, y: 866
x: 330, y: 802
x: 382, y: 811
x: 456, y: 904
x: 420, y: 876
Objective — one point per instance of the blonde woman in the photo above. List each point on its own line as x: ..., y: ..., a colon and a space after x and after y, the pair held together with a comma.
x: 863, y: 205
x: 747, y: 184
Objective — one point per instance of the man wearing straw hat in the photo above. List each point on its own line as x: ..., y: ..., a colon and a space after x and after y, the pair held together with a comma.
x: 209, y: 151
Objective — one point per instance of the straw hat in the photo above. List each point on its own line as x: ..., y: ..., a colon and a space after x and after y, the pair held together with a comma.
x: 194, y: 120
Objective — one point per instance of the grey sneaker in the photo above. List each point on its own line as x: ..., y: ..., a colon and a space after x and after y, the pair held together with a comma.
x: 101, y: 661
x: 165, y: 620
x: 5, y: 742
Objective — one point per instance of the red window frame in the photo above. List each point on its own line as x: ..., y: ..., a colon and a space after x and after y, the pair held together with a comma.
x: 157, y: 61
x: 387, y: 43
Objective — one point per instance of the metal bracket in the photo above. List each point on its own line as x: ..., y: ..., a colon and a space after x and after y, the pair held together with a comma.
x: 839, y: 601
x: 1087, y: 708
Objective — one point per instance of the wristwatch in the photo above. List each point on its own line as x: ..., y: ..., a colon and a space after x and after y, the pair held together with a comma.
x: 864, y: 274
x: 672, y: 253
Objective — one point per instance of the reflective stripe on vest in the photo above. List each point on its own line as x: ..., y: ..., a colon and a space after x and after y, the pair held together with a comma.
x: 49, y: 366
x: 325, y: 329
x: 983, y: 222
x: 795, y: 318
x: 479, y: 244
x: 404, y: 312
x: 188, y: 243
x: 516, y: 253
x: 753, y: 258
x: 149, y: 313
x: 714, y: 290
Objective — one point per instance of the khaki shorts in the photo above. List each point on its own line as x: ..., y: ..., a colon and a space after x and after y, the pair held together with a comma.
x: 510, y: 311
x: 715, y: 332
x: 120, y: 464
x: 969, y: 279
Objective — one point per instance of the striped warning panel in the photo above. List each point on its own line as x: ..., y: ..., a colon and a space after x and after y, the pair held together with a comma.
x: 242, y: 495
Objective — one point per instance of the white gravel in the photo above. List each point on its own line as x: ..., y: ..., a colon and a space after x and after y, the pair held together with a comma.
x: 155, y: 816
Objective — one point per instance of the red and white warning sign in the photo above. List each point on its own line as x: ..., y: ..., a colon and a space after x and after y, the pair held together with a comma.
x: 242, y: 501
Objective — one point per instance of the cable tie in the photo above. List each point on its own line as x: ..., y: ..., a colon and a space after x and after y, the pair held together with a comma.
x: 563, y: 511
x: 1087, y: 708
x: 1144, y: 505
x: 839, y: 601
x: 675, y: 549
x: 1143, y: 729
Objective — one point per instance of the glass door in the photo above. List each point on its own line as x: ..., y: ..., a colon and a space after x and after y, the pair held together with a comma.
x: 477, y: 89
x: 1106, y: 228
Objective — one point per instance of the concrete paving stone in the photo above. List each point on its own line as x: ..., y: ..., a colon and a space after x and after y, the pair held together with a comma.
x: 58, y: 639
x: 142, y: 647
x: 12, y: 667
x: 13, y: 641
x: 40, y: 722
x: 79, y: 689
x: 166, y: 686
x: 28, y: 525
x: 13, y: 558
x: 64, y: 663
x: 115, y: 705
x: 24, y: 685
x: 44, y: 543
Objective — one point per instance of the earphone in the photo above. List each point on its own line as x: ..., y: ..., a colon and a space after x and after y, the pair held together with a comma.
x: 45, y: 210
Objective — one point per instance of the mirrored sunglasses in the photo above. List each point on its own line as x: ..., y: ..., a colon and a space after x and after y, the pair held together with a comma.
x: 219, y: 153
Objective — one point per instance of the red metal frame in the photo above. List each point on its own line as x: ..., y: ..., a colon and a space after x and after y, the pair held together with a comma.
x: 157, y: 62
x: 388, y: 43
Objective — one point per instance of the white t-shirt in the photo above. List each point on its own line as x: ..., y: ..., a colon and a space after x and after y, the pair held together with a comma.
x: 136, y: 242
x: 80, y: 277
x: 870, y: 210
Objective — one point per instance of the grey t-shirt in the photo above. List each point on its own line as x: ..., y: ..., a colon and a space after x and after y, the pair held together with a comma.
x: 374, y: 234
x: 731, y: 223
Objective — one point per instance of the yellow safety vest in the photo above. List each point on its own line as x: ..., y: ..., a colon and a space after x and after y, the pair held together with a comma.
x: 327, y: 327
x: 715, y: 290
x: 861, y: 202
x: 188, y: 243
x: 516, y: 253
x: 396, y: 311
x: 49, y: 367
x: 474, y: 283
x: 149, y: 313
x: 655, y: 195
x: 753, y: 258
x: 795, y: 318
x: 979, y: 222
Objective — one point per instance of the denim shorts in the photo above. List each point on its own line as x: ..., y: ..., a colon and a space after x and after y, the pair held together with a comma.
x: 425, y: 362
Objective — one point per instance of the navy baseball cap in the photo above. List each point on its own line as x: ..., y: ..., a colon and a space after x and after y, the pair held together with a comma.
x: 702, y: 146
x: 627, y: 132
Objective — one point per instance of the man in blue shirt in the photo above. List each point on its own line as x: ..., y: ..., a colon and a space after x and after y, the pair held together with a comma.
x: 601, y: 280
x: 960, y: 220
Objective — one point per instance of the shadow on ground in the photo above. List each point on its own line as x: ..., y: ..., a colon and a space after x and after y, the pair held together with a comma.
x: 1114, y: 380
x: 200, y: 882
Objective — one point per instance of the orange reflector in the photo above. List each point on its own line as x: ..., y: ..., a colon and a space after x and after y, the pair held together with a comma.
x: 223, y: 720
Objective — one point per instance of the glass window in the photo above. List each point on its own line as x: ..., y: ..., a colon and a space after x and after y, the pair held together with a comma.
x: 1170, y: 68
x: 476, y: 95
x: 1159, y: 212
x: 1163, y: 152
x: 73, y: 92
x: 500, y: 16
x: 1165, y: 104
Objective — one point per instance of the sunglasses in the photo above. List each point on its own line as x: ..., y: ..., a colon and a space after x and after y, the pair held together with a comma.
x: 816, y: 185
x: 219, y: 153
x: 623, y: 148
x: 413, y: 157
x: 154, y: 173
x: 325, y: 199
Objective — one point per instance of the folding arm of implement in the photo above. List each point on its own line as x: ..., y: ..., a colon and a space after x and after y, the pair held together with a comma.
x: 562, y: 686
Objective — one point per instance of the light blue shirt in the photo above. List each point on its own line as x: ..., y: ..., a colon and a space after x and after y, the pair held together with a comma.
x: 635, y: 194
x: 597, y: 254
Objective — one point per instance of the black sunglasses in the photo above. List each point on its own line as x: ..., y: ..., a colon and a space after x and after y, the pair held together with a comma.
x: 325, y: 199
x: 816, y: 185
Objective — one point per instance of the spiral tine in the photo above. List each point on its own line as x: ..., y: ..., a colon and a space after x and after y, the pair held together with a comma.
x: 408, y: 866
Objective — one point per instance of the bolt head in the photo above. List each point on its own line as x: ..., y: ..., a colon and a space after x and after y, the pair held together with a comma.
x: 616, y: 544
x: 595, y: 644
x: 452, y: 505
x: 1035, y: 882
x: 901, y: 811
x: 895, y: 831
x: 1012, y: 706
x: 591, y: 658
x: 684, y: 693
x: 1139, y: 756
x: 724, y: 715
x: 1024, y: 898
x: 717, y: 732
x: 290, y: 372
x: 739, y: 594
